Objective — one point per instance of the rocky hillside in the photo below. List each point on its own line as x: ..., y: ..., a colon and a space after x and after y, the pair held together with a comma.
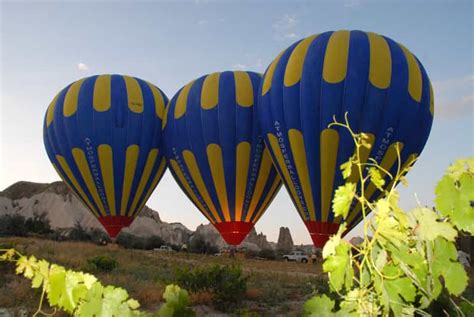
x: 64, y: 210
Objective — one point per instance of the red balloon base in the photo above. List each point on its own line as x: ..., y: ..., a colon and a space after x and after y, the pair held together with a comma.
x: 234, y: 232
x: 114, y: 224
x: 321, y: 231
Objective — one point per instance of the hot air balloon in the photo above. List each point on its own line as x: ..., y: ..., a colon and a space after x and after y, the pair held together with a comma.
x: 216, y: 154
x: 386, y: 94
x: 103, y: 137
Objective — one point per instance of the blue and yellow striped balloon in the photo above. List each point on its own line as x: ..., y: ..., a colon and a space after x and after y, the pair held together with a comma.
x: 103, y: 137
x: 216, y: 153
x: 377, y: 81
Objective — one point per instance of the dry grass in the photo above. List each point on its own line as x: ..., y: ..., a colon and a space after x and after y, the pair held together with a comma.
x: 202, y: 298
x: 272, y: 285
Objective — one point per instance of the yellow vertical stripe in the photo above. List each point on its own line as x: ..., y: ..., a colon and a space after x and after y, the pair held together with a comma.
x: 328, y: 153
x: 165, y: 116
x: 294, y: 67
x: 65, y: 166
x: 431, y: 100
x: 157, y: 177
x: 193, y: 168
x: 174, y: 165
x: 50, y: 112
x: 380, y: 69
x: 159, y: 101
x: 243, y: 89
x: 83, y: 166
x: 335, y: 58
x: 102, y: 93
x: 134, y: 94
x: 210, y: 91
x: 388, y: 160
x: 299, y: 156
x: 241, y: 171
x: 262, y: 178
x: 131, y: 158
x: 107, y: 167
x: 70, y: 101
x: 414, y: 75
x: 280, y: 161
x: 150, y: 161
x: 182, y: 100
x: 267, y: 79
x: 271, y: 194
x: 216, y: 164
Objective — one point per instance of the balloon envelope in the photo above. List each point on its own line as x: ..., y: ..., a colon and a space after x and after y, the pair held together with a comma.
x: 378, y: 82
x: 103, y: 137
x: 216, y: 154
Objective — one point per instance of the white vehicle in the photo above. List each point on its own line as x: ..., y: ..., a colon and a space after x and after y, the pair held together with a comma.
x: 297, y: 256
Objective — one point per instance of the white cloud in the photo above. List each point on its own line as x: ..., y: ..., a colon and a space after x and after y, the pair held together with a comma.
x: 255, y: 66
x: 240, y: 66
x: 285, y: 27
x: 82, y: 67
x: 454, y: 97
x: 202, y: 22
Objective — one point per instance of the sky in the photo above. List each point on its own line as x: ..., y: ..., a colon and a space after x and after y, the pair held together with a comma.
x: 46, y: 45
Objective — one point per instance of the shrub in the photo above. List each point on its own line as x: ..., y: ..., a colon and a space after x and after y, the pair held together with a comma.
x: 199, y: 245
x: 227, y: 283
x: 99, y: 236
x: 268, y: 254
x: 78, y: 233
x: 103, y: 263
x: 39, y: 223
x: 130, y: 241
x: 13, y: 225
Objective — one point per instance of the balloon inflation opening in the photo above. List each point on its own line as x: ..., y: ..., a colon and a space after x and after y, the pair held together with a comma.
x: 321, y: 231
x: 234, y: 232
x: 114, y: 224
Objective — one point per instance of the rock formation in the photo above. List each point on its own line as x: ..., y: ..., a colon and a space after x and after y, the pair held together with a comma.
x: 64, y: 210
x: 285, y: 242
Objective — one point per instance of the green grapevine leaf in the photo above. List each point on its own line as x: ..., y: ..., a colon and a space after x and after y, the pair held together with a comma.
x: 26, y: 266
x: 346, y: 168
x: 453, y: 200
x: 398, y: 290
x: 339, y: 267
x: 343, y: 198
x: 330, y: 246
x: 133, y: 304
x: 429, y: 228
x: 8, y: 255
x: 445, y: 264
x: 376, y: 178
x: 41, y: 275
x: 318, y: 306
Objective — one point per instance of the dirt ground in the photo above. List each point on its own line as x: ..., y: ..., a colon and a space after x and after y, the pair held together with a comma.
x: 274, y: 288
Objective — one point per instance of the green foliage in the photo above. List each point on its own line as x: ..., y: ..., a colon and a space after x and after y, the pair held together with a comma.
x: 406, y: 260
x: 18, y: 225
x: 176, y: 305
x: 455, y: 195
x: 103, y: 263
x: 227, y: 283
x: 76, y: 293
x: 130, y: 241
x: 199, y: 245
